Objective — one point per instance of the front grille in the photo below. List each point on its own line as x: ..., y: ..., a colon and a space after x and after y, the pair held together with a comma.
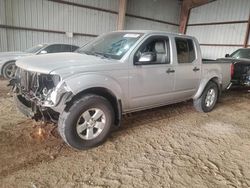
x: 33, y: 83
x: 28, y: 80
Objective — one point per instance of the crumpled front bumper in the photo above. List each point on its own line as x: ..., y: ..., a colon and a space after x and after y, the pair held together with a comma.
x: 37, y: 98
x: 33, y: 111
x: 24, y: 108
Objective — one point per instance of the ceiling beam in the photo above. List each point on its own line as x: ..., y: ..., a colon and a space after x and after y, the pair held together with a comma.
x: 186, y: 6
x: 121, y: 14
x: 196, y: 3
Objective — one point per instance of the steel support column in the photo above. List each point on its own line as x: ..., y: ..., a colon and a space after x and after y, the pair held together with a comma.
x: 247, y: 33
x: 186, y: 6
x: 121, y: 14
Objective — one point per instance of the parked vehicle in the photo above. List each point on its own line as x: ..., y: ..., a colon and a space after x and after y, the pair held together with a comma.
x: 8, y: 59
x: 240, y: 60
x: 87, y: 92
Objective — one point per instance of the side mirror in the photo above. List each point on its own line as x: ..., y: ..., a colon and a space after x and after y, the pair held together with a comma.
x: 146, y: 58
x: 43, y: 52
x: 227, y: 55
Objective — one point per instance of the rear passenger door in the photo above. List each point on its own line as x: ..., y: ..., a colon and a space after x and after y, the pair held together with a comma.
x: 187, y: 68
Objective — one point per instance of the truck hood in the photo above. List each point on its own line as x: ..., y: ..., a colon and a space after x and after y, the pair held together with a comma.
x: 62, y: 63
x: 13, y: 55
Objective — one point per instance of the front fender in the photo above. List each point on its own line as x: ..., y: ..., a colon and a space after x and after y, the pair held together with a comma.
x: 82, y: 82
x: 214, y: 76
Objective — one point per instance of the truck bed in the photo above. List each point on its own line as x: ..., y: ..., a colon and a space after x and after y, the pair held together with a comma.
x: 240, y: 69
x: 222, y: 66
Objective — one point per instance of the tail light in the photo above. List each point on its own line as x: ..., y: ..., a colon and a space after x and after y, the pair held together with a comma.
x: 232, y: 70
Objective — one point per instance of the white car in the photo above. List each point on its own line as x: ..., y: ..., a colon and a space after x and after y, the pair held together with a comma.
x: 8, y: 59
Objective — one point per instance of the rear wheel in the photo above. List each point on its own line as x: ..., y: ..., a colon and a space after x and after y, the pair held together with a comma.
x: 9, y: 70
x: 87, y: 123
x: 208, y: 99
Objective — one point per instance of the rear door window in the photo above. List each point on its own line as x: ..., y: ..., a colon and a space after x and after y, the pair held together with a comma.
x: 185, y: 50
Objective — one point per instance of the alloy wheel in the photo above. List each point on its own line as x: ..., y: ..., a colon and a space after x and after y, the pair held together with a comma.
x: 91, y: 123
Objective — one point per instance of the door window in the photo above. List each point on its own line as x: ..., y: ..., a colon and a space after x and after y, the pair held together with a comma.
x: 55, y: 48
x: 156, y: 46
x: 185, y: 50
x: 68, y: 48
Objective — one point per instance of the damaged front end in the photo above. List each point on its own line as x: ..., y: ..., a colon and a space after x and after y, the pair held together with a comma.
x: 40, y: 96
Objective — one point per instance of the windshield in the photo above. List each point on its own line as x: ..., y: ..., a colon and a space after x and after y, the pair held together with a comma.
x: 241, y: 53
x: 35, y: 49
x: 112, y: 45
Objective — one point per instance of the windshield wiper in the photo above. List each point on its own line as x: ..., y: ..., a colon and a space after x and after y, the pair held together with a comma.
x: 87, y: 52
x: 98, y: 54
x: 103, y: 55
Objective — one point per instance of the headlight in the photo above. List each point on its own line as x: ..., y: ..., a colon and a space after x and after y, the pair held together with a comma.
x: 56, y: 79
x: 48, y: 81
x: 54, y: 95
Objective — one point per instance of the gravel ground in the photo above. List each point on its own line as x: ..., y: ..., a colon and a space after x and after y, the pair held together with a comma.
x: 172, y: 146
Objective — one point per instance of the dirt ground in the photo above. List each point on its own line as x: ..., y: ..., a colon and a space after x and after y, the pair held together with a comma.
x: 172, y: 146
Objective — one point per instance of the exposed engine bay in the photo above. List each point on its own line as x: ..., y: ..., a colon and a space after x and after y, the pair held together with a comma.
x: 35, y: 86
x: 39, y: 93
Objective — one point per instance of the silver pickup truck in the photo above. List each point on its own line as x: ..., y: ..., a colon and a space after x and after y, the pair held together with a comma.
x: 87, y: 92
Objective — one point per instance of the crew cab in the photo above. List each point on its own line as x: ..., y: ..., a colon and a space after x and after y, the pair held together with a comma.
x: 8, y: 59
x: 87, y: 92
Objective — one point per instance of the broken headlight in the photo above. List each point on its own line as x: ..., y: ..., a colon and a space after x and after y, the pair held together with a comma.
x: 54, y: 95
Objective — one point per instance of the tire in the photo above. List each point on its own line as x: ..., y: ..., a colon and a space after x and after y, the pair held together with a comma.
x: 9, y: 70
x: 73, y: 122
x: 204, y: 103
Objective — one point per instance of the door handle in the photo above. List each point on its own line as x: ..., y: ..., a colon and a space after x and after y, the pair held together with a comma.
x: 195, y: 69
x: 170, y: 71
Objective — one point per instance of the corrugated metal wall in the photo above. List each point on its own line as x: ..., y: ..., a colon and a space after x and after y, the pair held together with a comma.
x: 229, y: 34
x: 54, y: 16
x: 137, y: 23
x: 3, y: 36
x: 165, y: 10
x: 44, y: 14
x: 105, y: 4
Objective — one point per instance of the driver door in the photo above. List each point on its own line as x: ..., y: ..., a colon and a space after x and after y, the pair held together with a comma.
x: 151, y: 83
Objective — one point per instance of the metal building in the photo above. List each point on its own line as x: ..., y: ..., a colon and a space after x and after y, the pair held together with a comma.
x: 54, y: 102
x: 221, y: 26
x: 24, y: 23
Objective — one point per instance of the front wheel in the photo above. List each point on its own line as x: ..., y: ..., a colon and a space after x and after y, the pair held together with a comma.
x: 208, y: 99
x: 87, y: 122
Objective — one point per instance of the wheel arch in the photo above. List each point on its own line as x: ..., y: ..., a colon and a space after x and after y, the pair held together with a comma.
x: 104, y: 92
x: 204, y: 83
